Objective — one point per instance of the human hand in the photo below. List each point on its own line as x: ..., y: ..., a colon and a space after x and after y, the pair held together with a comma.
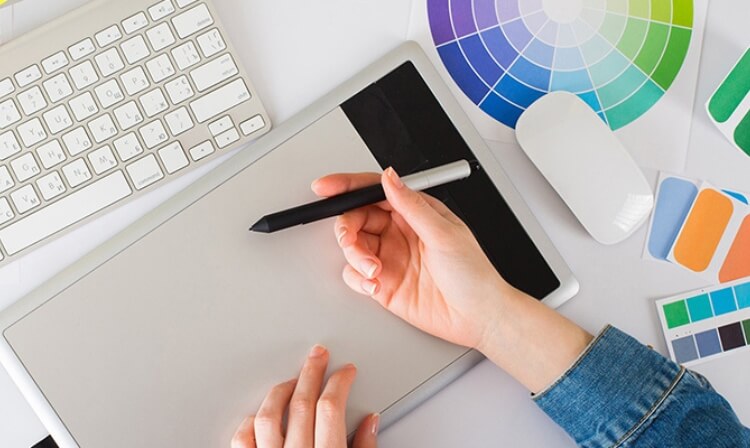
x: 315, y: 418
x: 418, y: 260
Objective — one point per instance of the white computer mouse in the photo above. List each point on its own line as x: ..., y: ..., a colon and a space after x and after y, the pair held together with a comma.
x: 587, y: 165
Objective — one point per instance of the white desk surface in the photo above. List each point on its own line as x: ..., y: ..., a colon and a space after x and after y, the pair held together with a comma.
x: 295, y: 51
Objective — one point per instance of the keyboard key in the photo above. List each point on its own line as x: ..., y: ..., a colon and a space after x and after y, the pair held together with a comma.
x: 109, y: 62
x: 6, y: 213
x: 145, y: 172
x: 220, y: 100
x: 6, y: 180
x: 135, y: 49
x: 55, y: 62
x: 109, y: 93
x: 128, y: 116
x: 134, y: 23
x: 51, y: 186
x: 160, y: 37
x: 102, y: 128
x: 51, y: 154
x: 58, y: 88
x: 108, y: 36
x: 179, y: 121
x: 25, y: 167
x: 57, y: 119
x: 84, y: 75
x: 28, y: 75
x: 8, y: 114
x: 128, y: 147
x: 102, y: 160
x: 252, y: 125
x: 173, y: 157
x: 213, y: 73
x: 25, y: 199
x: 8, y: 145
x: 153, y: 102
x: 161, y: 10
x: 227, y: 138
x: 201, y: 151
x: 77, y: 141
x: 81, y: 49
x: 83, y: 106
x: 160, y: 68
x: 65, y: 212
x: 179, y: 90
x: 32, y: 100
x: 221, y: 125
x: 211, y: 43
x: 153, y: 134
x: 186, y: 55
x: 32, y: 132
x: 6, y: 87
x: 76, y: 173
x: 192, y: 21
x: 134, y: 81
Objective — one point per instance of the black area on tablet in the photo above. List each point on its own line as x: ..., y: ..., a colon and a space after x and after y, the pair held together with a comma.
x: 405, y: 126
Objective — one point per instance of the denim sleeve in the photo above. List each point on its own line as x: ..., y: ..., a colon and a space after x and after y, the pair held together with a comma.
x: 621, y: 393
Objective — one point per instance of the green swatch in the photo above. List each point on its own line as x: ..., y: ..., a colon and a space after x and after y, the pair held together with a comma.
x: 742, y: 134
x: 732, y: 91
x: 746, y: 326
x: 676, y: 314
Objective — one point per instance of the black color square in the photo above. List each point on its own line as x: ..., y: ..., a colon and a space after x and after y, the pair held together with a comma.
x: 731, y: 336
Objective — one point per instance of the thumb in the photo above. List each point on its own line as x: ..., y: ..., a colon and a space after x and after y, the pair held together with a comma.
x: 412, y: 206
x: 367, y: 433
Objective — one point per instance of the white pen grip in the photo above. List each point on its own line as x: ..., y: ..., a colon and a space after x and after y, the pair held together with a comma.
x: 438, y: 176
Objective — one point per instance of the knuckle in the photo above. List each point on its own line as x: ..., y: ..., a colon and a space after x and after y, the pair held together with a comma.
x: 264, y: 422
x: 328, y: 408
x: 301, y: 406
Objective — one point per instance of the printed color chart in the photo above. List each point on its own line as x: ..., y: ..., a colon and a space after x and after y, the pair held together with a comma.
x: 620, y: 56
x: 707, y: 323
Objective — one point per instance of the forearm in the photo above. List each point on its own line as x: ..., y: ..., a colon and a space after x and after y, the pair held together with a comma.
x: 532, y: 342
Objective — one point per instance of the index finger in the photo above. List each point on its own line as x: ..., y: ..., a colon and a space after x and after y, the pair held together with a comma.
x: 335, y: 184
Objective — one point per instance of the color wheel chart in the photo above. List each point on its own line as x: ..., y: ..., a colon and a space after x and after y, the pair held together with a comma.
x: 619, y: 56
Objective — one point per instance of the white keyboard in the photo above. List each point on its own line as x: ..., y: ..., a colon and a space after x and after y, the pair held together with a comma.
x: 108, y: 101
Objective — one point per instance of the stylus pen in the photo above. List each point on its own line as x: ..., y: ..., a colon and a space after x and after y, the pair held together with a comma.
x: 337, y: 205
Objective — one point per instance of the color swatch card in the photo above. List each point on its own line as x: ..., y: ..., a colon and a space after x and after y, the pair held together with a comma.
x: 700, y: 228
x: 729, y: 106
x: 708, y: 232
x: 707, y: 323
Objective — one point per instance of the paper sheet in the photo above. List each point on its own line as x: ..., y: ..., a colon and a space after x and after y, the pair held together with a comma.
x: 658, y: 139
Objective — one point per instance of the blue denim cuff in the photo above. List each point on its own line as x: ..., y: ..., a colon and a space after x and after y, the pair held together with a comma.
x: 610, y: 391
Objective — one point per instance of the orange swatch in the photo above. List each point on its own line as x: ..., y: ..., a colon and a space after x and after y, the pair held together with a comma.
x: 737, y: 263
x: 703, y: 230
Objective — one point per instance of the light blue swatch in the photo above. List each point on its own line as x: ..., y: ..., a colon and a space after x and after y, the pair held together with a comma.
x: 723, y: 301
x: 699, y: 307
x: 676, y: 196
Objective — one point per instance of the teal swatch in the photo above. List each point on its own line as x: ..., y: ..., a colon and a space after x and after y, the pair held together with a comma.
x: 700, y: 308
x: 743, y: 295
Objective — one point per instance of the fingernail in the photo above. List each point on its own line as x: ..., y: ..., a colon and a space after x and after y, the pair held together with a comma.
x: 370, y: 287
x: 314, y: 184
x: 318, y: 351
x: 375, y: 424
x: 340, y: 235
x: 395, y: 178
x: 369, y: 267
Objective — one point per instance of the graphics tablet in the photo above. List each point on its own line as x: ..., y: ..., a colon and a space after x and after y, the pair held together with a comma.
x: 172, y: 332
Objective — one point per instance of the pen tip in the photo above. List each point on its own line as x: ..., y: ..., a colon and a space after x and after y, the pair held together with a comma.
x: 260, y: 226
